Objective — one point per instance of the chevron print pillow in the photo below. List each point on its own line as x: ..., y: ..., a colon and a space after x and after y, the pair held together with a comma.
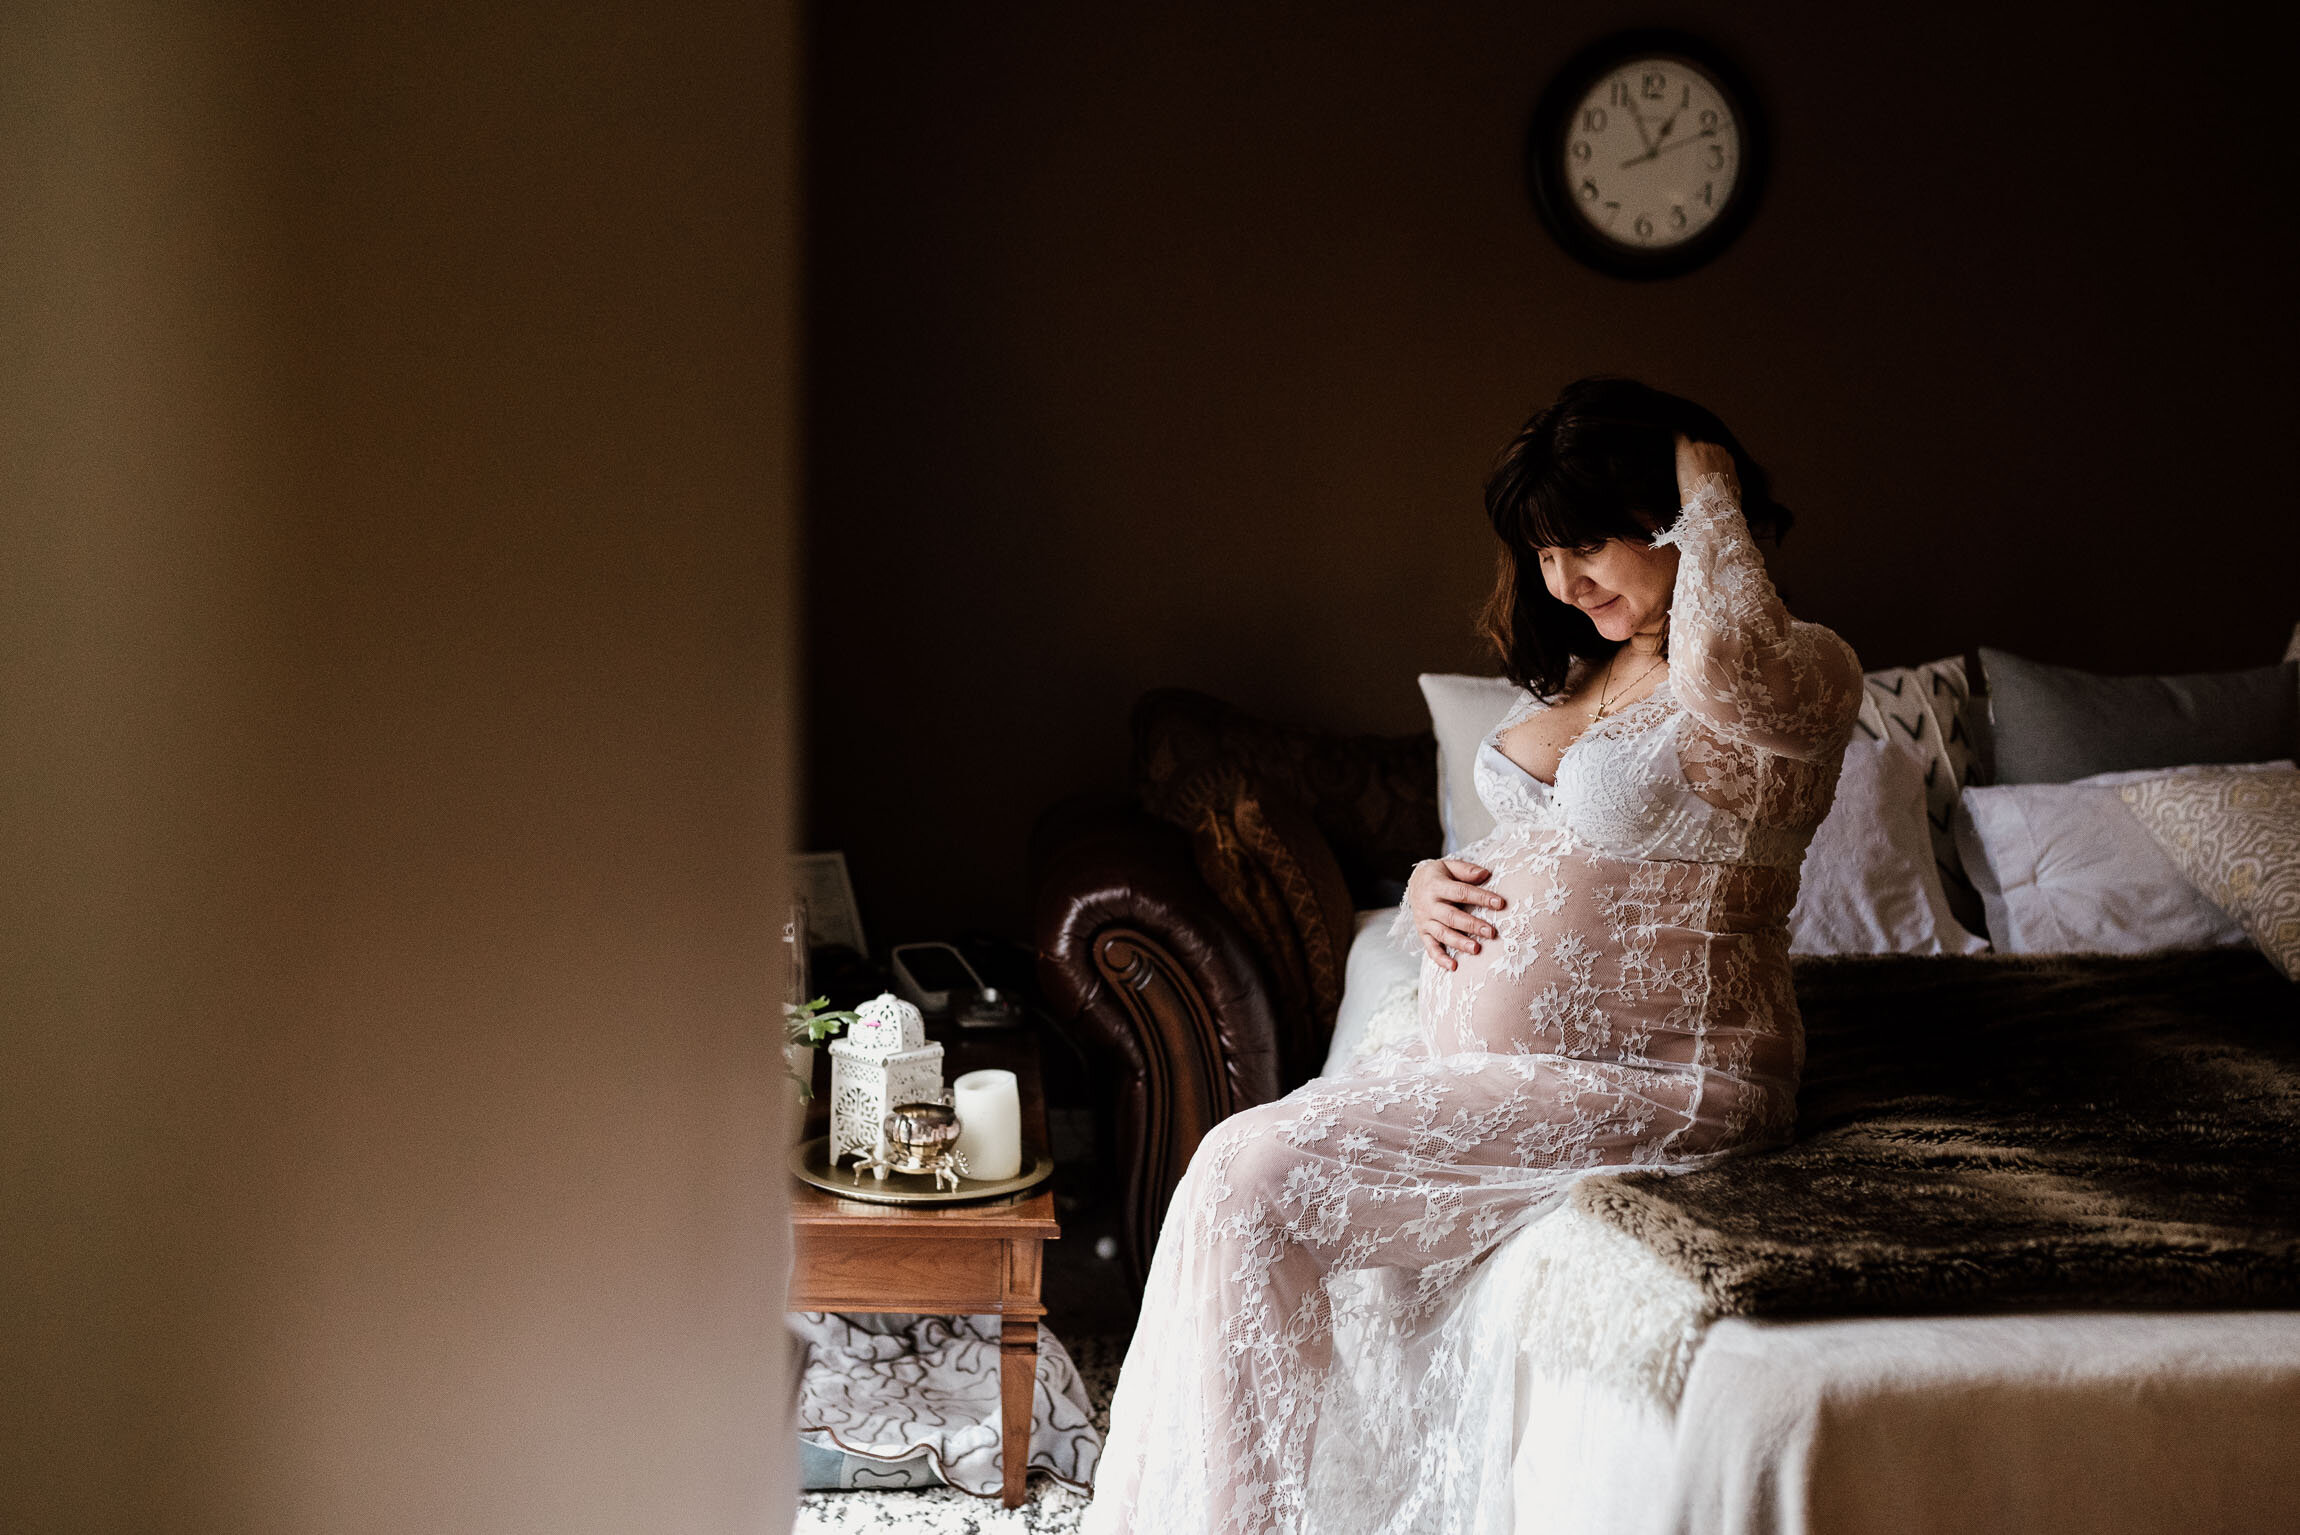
x: 2236, y: 835
x: 1919, y: 709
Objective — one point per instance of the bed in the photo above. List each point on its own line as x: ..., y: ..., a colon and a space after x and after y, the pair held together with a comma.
x: 2083, y: 1321
x: 1951, y: 1341
x: 2095, y: 1422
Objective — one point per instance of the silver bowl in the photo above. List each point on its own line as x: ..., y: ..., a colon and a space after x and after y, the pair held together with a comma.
x: 921, y: 1129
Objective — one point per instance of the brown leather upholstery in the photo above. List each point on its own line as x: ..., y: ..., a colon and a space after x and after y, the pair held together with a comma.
x: 1373, y: 797
x: 1140, y: 956
x: 1142, y: 960
x: 1266, y: 861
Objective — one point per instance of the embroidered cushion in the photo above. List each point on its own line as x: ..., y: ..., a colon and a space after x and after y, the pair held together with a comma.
x: 1373, y: 798
x: 2237, y: 836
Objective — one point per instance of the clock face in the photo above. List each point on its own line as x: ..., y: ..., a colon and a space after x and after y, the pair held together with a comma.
x: 1650, y: 153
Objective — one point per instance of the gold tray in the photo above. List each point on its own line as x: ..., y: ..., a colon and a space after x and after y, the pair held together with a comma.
x: 810, y: 1160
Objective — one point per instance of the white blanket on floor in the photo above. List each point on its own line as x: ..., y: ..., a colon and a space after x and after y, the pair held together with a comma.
x: 890, y: 1385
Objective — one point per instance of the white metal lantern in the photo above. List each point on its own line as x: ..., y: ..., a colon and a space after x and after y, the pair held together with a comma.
x: 882, y: 1060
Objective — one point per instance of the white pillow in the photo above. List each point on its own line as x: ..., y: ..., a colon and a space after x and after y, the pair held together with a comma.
x: 1463, y: 712
x: 1381, y: 981
x: 1870, y: 884
x: 2064, y: 868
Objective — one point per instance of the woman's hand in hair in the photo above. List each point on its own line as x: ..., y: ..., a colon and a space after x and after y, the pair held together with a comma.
x: 1444, y: 897
x: 1695, y: 459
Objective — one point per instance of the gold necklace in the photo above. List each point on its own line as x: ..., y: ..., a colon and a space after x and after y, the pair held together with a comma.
x: 1606, y: 693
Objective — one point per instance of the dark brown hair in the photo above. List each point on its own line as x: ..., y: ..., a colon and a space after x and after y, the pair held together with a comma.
x: 1599, y: 464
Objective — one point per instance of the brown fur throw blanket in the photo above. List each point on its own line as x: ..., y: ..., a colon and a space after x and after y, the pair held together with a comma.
x: 1995, y: 1132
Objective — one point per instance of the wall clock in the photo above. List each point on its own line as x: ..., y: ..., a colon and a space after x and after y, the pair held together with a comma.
x: 1647, y: 154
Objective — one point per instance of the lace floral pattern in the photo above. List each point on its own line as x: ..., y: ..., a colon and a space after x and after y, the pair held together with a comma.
x: 1311, y: 1355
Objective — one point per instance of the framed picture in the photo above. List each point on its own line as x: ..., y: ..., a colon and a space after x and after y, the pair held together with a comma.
x: 820, y: 880
x: 796, y: 939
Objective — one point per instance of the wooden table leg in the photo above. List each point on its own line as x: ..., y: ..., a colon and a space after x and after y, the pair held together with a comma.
x: 1017, y: 1388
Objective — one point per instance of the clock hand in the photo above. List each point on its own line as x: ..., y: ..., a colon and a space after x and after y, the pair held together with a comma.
x: 1653, y: 150
x: 1680, y: 112
x: 1659, y: 150
x: 1638, y: 118
x: 1653, y: 144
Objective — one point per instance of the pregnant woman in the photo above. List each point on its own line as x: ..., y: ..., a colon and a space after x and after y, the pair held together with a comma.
x: 1604, y: 983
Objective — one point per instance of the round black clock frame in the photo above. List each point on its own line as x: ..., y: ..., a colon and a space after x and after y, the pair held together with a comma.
x: 1546, y: 139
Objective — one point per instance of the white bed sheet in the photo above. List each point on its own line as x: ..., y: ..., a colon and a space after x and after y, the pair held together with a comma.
x: 2104, y: 1423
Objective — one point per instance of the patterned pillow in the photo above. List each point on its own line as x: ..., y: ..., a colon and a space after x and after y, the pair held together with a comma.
x: 2237, y: 836
x: 1920, y: 709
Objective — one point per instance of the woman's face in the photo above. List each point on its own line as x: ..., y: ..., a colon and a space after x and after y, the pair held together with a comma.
x: 1623, y: 586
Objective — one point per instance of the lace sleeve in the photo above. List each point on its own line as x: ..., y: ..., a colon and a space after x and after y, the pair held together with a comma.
x: 1402, y: 920
x: 1736, y: 657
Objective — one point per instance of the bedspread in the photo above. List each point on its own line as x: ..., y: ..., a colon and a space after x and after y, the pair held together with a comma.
x: 1994, y: 1132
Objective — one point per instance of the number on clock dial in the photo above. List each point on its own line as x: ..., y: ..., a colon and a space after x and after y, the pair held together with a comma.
x: 1651, y: 153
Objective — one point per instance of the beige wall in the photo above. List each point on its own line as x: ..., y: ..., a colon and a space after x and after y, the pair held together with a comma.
x: 1168, y: 344
x: 397, y: 460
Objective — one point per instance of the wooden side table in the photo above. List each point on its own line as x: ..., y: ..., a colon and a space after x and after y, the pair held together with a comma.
x: 971, y: 1259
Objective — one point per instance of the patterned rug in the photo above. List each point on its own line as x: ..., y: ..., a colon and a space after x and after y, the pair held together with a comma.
x: 1051, y: 1507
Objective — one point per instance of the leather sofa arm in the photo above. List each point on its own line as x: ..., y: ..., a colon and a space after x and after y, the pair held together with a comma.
x: 1138, y: 957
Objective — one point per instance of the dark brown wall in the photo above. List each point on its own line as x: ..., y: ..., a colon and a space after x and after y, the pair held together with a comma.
x: 1168, y: 345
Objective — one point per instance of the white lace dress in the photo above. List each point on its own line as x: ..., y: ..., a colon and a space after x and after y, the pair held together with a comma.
x: 1312, y: 1355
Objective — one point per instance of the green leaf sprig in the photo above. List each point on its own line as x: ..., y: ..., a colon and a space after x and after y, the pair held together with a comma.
x: 810, y: 1023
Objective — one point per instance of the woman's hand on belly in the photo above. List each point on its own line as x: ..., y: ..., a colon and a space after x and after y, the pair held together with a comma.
x: 1445, y: 897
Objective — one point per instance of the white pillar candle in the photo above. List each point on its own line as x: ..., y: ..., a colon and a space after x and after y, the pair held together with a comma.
x: 989, y: 1123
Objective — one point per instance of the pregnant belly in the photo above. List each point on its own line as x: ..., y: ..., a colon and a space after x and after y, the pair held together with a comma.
x: 1667, y: 964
